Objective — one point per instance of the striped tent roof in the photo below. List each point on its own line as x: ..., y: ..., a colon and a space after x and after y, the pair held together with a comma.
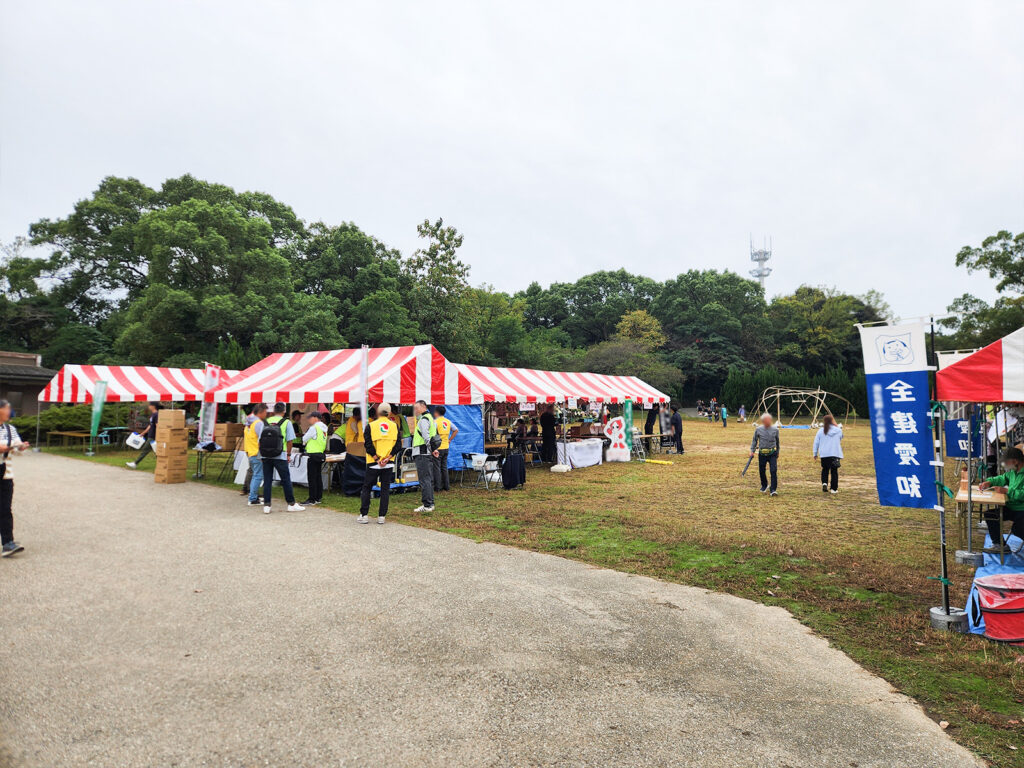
x: 395, y: 375
x: 126, y: 383
x: 530, y: 385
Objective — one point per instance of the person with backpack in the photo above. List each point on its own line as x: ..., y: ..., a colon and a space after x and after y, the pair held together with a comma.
x: 425, y: 447
x: 275, y: 435
x: 447, y: 432
x: 10, y: 442
x: 381, y: 438
x: 315, y: 442
x: 251, y: 444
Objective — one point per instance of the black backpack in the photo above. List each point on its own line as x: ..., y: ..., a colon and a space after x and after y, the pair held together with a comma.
x: 271, y: 440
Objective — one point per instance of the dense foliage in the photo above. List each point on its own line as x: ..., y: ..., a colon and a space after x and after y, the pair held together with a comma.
x: 196, y: 271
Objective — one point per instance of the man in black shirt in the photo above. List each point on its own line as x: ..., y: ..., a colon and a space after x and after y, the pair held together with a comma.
x: 149, y: 433
x: 676, y: 423
x: 547, y: 435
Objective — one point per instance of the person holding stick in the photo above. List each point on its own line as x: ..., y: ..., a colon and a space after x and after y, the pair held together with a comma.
x: 766, y: 445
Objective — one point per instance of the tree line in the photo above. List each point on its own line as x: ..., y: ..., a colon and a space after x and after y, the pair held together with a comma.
x: 195, y: 271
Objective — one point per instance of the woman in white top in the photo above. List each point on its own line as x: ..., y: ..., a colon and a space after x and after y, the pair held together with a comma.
x: 828, y: 447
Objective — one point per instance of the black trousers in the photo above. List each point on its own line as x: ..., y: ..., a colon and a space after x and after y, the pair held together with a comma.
x: 373, y: 474
x: 992, y: 521
x: 6, y: 500
x: 547, y: 448
x: 829, y: 473
x: 144, y: 451
x: 677, y: 441
x: 771, y: 461
x: 442, y: 462
x: 314, y: 476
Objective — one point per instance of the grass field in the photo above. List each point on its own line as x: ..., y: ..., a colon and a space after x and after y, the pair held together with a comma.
x: 854, y: 572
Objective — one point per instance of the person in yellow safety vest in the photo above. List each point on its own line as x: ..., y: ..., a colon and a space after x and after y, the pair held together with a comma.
x: 354, y: 427
x: 315, y: 442
x: 382, y: 445
x: 251, y: 443
x: 425, y: 445
x: 447, y: 432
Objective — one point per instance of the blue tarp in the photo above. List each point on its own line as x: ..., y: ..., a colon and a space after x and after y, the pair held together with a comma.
x: 469, y: 419
x: 1012, y: 563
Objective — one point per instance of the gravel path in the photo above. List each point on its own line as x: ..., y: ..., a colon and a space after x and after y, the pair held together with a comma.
x: 152, y: 625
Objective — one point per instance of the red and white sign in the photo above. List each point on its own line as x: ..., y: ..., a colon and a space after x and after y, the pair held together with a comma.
x: 993, y: 374
x: 128, y: 383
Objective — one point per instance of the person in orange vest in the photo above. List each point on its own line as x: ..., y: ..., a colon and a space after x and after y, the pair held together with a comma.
x: 447, y: 432
x: 381, y: 440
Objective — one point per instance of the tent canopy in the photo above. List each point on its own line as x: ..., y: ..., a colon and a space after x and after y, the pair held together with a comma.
x: 993, y: 374
x: 395, y: 375
x: 127, y: 383
x: 532, y: 386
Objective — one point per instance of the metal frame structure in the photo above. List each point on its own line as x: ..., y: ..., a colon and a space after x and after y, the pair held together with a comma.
x: 812, y: 402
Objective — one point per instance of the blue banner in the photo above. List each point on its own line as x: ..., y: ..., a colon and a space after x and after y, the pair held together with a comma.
x: 956, y: 439
x: 899, y: 405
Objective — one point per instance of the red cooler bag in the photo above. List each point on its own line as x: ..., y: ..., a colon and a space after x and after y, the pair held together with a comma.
x: 1001, y: 597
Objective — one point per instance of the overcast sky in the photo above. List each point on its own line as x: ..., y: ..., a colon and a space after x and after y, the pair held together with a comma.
x: 870, y: 141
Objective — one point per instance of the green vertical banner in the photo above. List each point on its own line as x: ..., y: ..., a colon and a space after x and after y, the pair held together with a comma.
x: 99, y: 396
x: 627, y: 415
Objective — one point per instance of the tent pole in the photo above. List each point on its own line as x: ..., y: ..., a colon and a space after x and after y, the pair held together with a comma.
x: 970, y: 479
x: 38, y: 416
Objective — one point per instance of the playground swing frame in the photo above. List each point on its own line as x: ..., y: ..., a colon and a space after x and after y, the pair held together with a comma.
x: 809, y: 402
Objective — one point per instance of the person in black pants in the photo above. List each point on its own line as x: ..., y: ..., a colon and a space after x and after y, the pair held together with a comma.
x: 10, y: 442
x: 676, y: 424
x: 382, y: 438
x: 315, y: 442
x: 149, y: 433
x: 547, y: 435
x: 766, y: 445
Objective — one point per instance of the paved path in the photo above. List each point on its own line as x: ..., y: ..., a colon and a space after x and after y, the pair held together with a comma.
x: 152, y: 625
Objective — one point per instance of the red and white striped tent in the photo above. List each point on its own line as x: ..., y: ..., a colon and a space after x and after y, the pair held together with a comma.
x: 394, y: 375
x: 532, y: 386
x: 127, y: 383
x: 993, y: 374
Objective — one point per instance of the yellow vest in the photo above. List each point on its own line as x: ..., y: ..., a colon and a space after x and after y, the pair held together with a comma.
x: 251, y: 443
x: 384, y: 433
x: 444, y: 429
x: 353, y: 431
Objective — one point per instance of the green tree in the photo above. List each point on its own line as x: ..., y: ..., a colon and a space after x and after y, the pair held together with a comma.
x: 1001, y: 255
x: 381, y: 319
x: 640, y: 325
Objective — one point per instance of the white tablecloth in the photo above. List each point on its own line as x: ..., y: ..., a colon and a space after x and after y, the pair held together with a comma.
x: 296, y: 468
x: 585, y: 453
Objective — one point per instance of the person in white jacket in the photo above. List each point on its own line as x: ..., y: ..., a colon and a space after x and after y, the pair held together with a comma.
x: 10, y: 443
x: 829, y: 449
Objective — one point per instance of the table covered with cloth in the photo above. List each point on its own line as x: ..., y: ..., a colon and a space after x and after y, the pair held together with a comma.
x: 584, y: 453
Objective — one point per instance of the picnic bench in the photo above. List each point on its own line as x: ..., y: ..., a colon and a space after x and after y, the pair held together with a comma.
x: 66, y: 437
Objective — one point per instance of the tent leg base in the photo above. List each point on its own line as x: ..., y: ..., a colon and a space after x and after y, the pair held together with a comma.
x: 956, y: 621
x: 973, y: 559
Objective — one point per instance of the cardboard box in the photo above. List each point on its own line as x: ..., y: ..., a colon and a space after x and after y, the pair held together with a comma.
x: 172, y: 419
x: 170, y: 449
x: 170, y: 479
x: 171, y: 435
x: 171, y: 462
x: 355, y: 449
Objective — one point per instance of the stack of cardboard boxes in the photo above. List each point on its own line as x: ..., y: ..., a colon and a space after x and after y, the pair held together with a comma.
x: 171, y: 448
x: 227, y: 435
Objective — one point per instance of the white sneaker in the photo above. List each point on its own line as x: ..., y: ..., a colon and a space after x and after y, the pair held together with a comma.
x: 266, y: 510
x: 362, y: 519
x: 296, y: 508
x: 833, y: 491
x: 381, y: 520
x: 253, y: 503
x: 421, y: 508
x: 130, y: 464
x: 428, y: 509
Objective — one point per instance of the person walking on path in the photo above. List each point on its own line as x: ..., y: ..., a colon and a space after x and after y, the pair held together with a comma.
x: 447, y: 432
x: 725, y: 416
x: 676, y: 424
x: 381, y: 438
x: 10, y: 442
x: 149, y: 433
x: 828, y: 447
x: 766, y: 445
x: 315, y: 442
x: 1013, y: 480
x: 547, y: 435
x: 425, y: 443
x: 251, y: 444
x: 275, y: 435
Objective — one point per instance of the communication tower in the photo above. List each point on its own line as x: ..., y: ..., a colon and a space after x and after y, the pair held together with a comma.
x: 759, y: 256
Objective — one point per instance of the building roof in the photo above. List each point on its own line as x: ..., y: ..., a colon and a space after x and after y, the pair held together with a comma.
x: 29, y: 373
